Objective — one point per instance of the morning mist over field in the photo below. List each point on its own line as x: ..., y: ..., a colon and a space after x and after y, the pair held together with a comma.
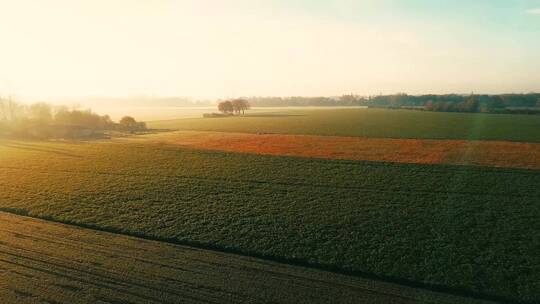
x: 269, y: 151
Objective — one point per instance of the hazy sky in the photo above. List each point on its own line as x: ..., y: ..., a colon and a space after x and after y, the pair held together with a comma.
x: 220, y: 48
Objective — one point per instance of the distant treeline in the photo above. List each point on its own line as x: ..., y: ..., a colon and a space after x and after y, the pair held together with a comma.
x: 504, y: 103
x: 45, y: 121
x: 298, y: 101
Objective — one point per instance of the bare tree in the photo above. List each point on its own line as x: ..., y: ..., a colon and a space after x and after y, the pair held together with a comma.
x: 226, y: 107
x: 240, y: 105
x: 10, y: 109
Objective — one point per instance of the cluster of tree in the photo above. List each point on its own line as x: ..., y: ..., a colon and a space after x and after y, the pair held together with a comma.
x: 504, y: 103
x: 234, y: 106
x: 469, y: 105
x: 42, y: 120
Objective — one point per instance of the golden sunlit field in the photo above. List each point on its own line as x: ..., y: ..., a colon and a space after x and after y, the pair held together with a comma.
x: 239, y: 151
x: 462, y: 229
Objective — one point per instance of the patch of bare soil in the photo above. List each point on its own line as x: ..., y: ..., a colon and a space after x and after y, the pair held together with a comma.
x: 421, y: 151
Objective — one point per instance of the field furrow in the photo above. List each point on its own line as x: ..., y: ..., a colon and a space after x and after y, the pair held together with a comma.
x: 43, y: 262
x: 465, y: 229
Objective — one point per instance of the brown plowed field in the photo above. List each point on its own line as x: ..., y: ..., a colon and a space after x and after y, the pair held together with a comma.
x: 458, y: 152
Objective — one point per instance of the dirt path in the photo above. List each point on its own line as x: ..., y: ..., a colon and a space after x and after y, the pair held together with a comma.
x: 45, y: 262
x: 457, y: 152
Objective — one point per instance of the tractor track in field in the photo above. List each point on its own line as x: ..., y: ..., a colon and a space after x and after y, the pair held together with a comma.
x: 48, y: 262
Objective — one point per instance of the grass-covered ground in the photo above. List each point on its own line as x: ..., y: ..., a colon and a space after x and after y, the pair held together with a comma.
x: 468, y: 228
x: 372, y: 123
x: 47, y: 263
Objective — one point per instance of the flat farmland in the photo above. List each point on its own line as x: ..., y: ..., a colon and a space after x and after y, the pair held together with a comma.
x: 417, y: 151
x: 377, y: 123
x: 460, y: 228
x: 184, y: 151
x: 45, y: 262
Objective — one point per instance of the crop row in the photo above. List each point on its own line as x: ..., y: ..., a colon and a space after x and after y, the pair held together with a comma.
x: 467, y: 228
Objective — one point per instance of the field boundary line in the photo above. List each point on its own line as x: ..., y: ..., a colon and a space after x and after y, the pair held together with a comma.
x: 284, y: 261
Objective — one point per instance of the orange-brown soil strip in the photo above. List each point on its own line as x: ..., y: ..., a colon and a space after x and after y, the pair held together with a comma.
x: 422, y: 151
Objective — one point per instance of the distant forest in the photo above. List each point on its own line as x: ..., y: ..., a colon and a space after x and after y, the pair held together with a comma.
x: 504, y: 103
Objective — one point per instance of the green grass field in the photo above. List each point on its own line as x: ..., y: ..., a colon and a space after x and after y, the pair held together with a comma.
x: 372, y: 123
x: 468, y: 228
